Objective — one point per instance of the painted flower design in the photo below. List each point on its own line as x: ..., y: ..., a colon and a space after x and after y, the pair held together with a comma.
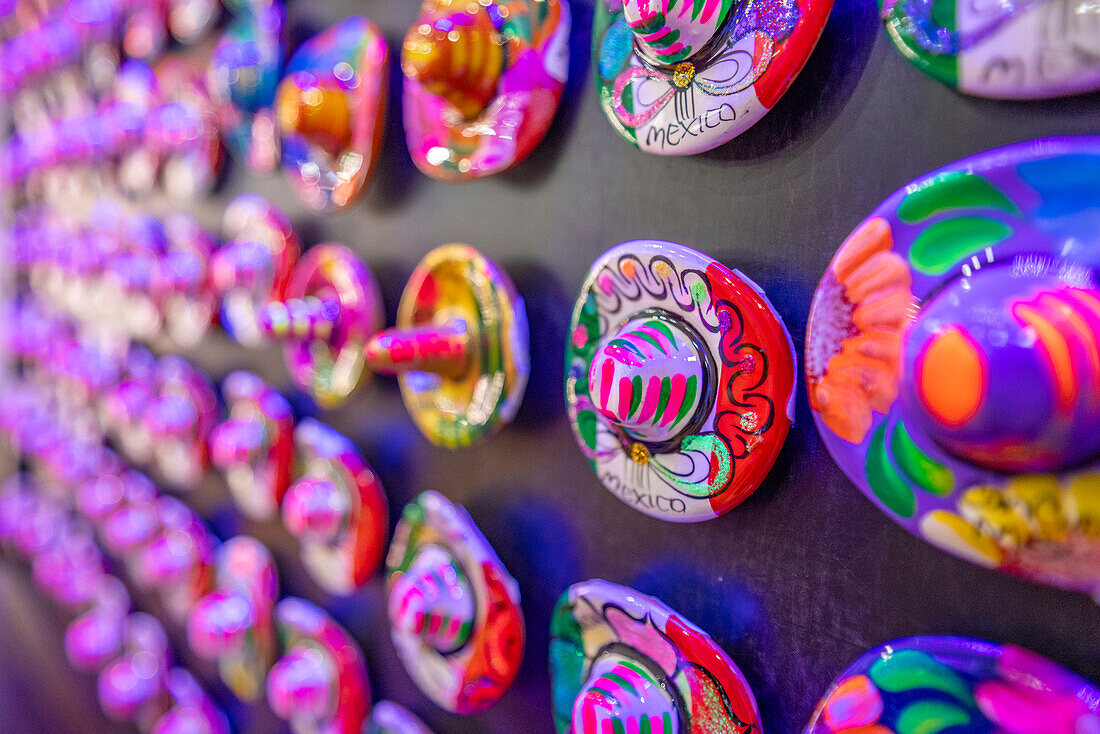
x: 861, y: 310
x: 1032, y: 526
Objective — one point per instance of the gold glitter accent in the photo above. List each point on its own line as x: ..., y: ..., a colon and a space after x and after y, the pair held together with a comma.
x: 663, y: 270
x: 639, y: 453
x: 683, y: 74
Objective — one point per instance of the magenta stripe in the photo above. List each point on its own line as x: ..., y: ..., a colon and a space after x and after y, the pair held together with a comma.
x: 675, y: 399
x: 661, y: 338
x: 673, y: 49
x: 622, y: 355
x: 626, y: 394
x: 606, y: 377
x: 658, y: 34
x: 652, y: 395
x: 708, y: 10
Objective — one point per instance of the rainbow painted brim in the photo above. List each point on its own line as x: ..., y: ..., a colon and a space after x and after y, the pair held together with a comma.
x: 1039, y: 199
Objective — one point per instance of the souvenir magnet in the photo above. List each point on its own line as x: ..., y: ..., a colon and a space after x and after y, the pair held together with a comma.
x: 454, y: 610
x: 331, y: 110
x: 336, y: 509
x: 482, y: 83
x: 331, y: 309
x: 679, y: 380
x: 192, y: 711
x: 942, y: 683
x: 132, y: 688
x: 951, y: 359
x: 178, y: 563
x: 320, y: 684
x: 388, y: 718
x: 182, y: 280
x: 183, y: 132
x: 1030, y: 49
x: 234, y: 625
x: 623, y: 661
x: 125, y: 298
x: 244, y: 72
x: 679, y: 78
x: 254, y: 447
x: 254, y: 267
x: 459, y: 347
x: 179, y: 420
x: 95, y: 638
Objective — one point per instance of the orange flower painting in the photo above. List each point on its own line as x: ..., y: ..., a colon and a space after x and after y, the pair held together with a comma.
x: 860, y: 312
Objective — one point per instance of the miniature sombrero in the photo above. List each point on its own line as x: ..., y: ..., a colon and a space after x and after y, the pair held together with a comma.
x: 459, y: 347
x: 1029, y: 49
x: 679, y: 380
x: 679, y: 77
x: 623, y: 661
x: 244, y: 72
x: 330, y: 108
x: 951, y: 359
x: 388, y: 718
x: 454, y: 610
x: 254, y: 267
x: 482, y: 82
x: 937, y: 683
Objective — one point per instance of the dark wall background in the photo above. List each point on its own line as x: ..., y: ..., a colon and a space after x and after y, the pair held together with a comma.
x: 795, y: 583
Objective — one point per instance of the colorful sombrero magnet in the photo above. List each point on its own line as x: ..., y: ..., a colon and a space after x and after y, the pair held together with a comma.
x: 336, y: 509
x: 679, y: 77
x: 389, y: 718
x: 622, y: 661
x: 482, y: 83
x: 254, y: 267
x: 679, y: 380
x: 244, y: 72
x: 330, y: 108
x: 943, y: 683
x: 332, y: 307
x: 320, y: 683
x: 1029, y: 49
x: 460, y: 346
x: 951, y: 359
x: 454, y: 609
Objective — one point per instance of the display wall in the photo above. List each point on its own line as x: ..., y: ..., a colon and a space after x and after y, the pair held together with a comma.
x: 796, y: 582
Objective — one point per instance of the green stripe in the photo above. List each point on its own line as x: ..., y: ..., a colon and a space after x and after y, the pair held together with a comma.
x: 662, y: 327
x: 651, y: 340
x: 627, y: 346
x: 689, y: 398
x: 636, y: 398
x: 623, y: 682
x: 662, y: 402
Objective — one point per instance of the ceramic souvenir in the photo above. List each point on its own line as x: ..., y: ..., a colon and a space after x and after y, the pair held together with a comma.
x: 1025, y: 49
x: 254, y: 266
x: 454, y: 610
x: 189, y: 20
x: 95, y: 638
x: 192, y: 711
x: 332, y: 306
x: 234, y: 625
x: 181, y: 282
x: 482, y: 83
x: 336, y: 509
x: 133, y: 687
x: 178, y: 563
x: 124, y: 300
x: 388, y: 718
x: 943, y: 683
x: 679, y: 77
x: 182, y: 132
x: 254, y: 447
x: 320, y: 683
x: 459, y: 346
x: 178, y: 420
x: 331, y: 110
x: 679, y: 380
x: 623, y: 661
x: 951, y: 359
x: 244, y: 72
